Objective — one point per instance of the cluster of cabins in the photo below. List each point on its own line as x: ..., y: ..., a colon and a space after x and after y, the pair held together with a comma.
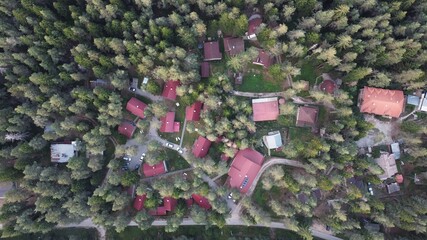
x: 234, y: 46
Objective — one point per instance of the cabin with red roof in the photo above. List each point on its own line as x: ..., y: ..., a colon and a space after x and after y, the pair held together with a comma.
x: 154, y: 170
x: 307, y: 116
x: 201, y: 147
x: 328, y: 86
x: 201, y: 201
x: 211, y: 51
x: 233, y: 46
x: 264, y: 59
x: 169, y: 205
x: 205, y: 69
x: 169, y: 90
x: 265, y: 109
x: 192, y: 113
x: 383, y: 102
x: 168, y: 123
x: 244, y: 169
x: 139, y: 201
x: 136, y: 107
x: 127, y: 128
x: 254, y: 22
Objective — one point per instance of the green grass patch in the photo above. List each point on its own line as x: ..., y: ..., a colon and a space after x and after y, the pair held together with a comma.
x: 218, y: 67
x: 174, y: 161
x: 323, y: 115
x: 256, y: 83
x: 308, y: 72
x: 61, y: 234
x: 201, y: 232
x: 299, y: 133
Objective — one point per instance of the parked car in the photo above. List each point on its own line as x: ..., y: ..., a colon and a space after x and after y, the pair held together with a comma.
x: 370, y: 189
x: 127, y: 159
x: 179, y: 150
x: 132, y: 89
x: 142, y: 157
x: 137, y: 167
x: 169, y: 145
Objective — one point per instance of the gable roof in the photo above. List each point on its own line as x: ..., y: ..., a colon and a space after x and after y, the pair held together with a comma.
x: 265, y: 109
x: 328, y: 86
x: 264, y: 59
x: 154, y: 170
x: 388, y: 163
x: 169, y: 90
x: 382, y: 102
x: 127, y: 128
x: 192, y: 113
x: 273, y: 140
x: 205, y: 70
x: 233, y: 46
x: 138, y: 203
x: 306, y: 116
x: 169, y: 204
x: 244, y: 169
x: 211, y: 51
x: 168, y: 123
x: 254, y: 22
x: 201, y: 147
x: 201, y: 201
x: 136, y: 107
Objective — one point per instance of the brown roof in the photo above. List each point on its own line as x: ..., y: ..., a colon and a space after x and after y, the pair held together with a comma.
x: 328, y: 86
x: 153, y: 170
x: 211, y: 51
x: 254, y: 22
x: 265, y: 109
x: 233, y: 46
x: 127, y: 128
x: 264, y: 59
x: 169, y: 90
x: 244, y: 169
x: 192, y: 113
x: 168, y: 123
x: 307, y: 116
x: 382, y: 102
x: 205, y: 70
x: 201, y: 147
x: 136, y: 107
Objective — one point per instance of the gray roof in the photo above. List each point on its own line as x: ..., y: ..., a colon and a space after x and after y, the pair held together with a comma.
x: 273, y: 140
x: 413, y: 100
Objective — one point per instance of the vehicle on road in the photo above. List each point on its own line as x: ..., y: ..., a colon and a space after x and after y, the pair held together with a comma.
x: 370, y: 189
x: 169, y: 145
x: 179, y: 150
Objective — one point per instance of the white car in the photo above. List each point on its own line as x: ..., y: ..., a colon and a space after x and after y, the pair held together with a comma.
x: 169, y: 145
x: 142, y: 157
x: 179, y: 150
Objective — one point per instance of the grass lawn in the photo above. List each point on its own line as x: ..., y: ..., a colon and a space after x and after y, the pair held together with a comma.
x: 218, y: 67
x: 256, y: 83
x: 61, y: 234
x: 323, y: 115
x: 299, y: 133
x: 200, y: 232
x: 308, y: 72
x: 174, y: 161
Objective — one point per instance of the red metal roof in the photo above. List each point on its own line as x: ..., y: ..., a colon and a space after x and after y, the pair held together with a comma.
x: 192, y: 113
x: 211, y: 51
x: 201, y: 201
x: 138, y: 203
x: 244, y: 169
x: 127, y: 128
x: 306, y: 116
x: 253, y: 24
x: 233, y: 46
x: 382, y: 102
x: 153, y: 170
x: 328, y: 86
x: 264, y: 59
x: 168, y: 123
x: 136, y: 107
x: 169, y: 90
x: 201, y: 147
x: 265, y: 109
x: 169, y: 203
x: 205, y: 70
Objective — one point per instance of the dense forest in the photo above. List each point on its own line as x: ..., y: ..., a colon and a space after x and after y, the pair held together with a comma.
x: 51, y: 51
